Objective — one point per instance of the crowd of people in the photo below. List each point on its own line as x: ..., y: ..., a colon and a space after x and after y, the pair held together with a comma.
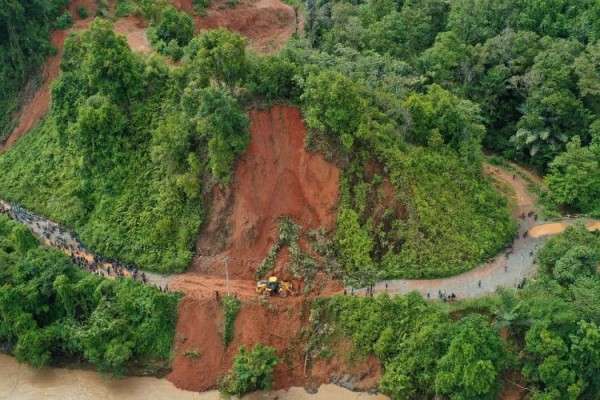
x: 53, y: 235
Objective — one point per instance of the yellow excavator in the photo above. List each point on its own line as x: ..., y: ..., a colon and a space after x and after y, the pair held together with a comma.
x: 273, y: 287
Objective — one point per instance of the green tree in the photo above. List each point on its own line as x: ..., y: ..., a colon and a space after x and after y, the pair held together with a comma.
x: 440, y: 114
x: 109, y: 66
x: 573, y: 178
x: 449, y: 62
x: 252, y: 370
x: 474, y: 361
x: 335, y: 104
x: 221, y: 121
x: 475, y: 21
x: 553, y: 113
x: 175, y: 25
x: 218, y: 55
x: 576, y: 245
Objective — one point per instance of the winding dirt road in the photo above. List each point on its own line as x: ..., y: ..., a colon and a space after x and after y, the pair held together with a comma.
x: 508, y: 269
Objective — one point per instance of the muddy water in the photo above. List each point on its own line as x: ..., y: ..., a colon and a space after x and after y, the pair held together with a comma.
x: 21, y: 382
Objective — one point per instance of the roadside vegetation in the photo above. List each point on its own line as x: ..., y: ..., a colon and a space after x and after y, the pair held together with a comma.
x: 53, y: 313
x: 530, y: 67
x: 549, y: 332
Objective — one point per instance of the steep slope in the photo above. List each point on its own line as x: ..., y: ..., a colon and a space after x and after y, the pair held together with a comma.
x: 276, y: 177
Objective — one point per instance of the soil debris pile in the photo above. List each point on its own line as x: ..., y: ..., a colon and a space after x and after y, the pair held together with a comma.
x: 268, y: 24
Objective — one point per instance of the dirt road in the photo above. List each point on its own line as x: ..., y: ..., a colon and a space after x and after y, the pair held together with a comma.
x: 508, y: 269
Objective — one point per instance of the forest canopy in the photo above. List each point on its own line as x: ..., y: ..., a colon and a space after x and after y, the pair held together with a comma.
x: 52, y: 312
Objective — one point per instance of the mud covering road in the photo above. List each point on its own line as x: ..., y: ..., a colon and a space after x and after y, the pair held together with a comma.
x: 21, y: 382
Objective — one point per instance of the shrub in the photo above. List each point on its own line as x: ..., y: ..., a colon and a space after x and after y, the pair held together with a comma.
x: 125, y: 8
x: 200, y: 6
x: 175, y: 25
x: 64, y: 21
x: 82, y: 12
x: 252, y: 370
x: 51, y: 311
x: 231, y: 308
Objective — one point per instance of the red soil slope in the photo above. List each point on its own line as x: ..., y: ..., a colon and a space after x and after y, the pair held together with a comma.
x: 280, y: 325
x: 276, y: 177
x: 134, y: 30
x: 268, y: 24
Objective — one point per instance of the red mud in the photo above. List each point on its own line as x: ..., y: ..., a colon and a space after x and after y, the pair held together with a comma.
x: 279, y: 324
x: 200, y: 329
x: 275, y: 177
x: 267, y: 24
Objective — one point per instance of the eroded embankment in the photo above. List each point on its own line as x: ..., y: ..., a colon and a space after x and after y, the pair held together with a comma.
x: 276, y: 177
x: 267, y: 24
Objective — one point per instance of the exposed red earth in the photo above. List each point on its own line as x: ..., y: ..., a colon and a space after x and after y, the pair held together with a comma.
x: 134, y: 30
x: 276, y: 177
x: 267, y: 24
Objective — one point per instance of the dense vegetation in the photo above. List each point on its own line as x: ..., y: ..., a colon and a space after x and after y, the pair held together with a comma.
x: 52, y: 312
x: 122, y: 155
x: 552, y: 332
x: 125, y: 152
x: 231, y: 308
x: 24, y: 44
x: 252, y: 370
x: 531, y: 66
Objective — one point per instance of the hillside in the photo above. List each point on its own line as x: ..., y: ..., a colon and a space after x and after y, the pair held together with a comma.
x: 424, y: 174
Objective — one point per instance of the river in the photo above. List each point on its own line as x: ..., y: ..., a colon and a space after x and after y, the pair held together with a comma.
x: 21, y: 382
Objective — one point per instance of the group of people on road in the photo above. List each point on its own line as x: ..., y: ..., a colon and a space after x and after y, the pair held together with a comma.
x: 65, y: 241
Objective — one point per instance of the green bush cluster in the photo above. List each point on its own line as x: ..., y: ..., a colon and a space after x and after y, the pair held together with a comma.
x: 252, y: 370
x: 231, y: 308
x: 51, y: 312
x: 64, y: 21
x: 171, y: 32
x: 424, y: 353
